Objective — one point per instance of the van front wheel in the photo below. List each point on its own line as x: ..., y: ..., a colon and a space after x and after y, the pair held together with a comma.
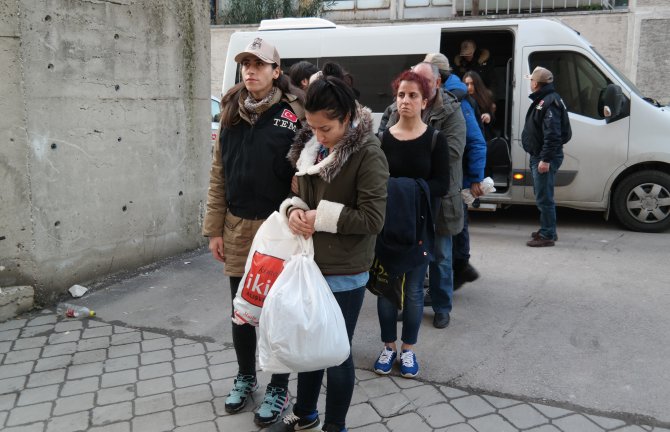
x: 641, y: 202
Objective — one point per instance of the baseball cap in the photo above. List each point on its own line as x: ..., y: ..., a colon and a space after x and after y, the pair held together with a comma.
x: 262, y: 49
x: 439, y: 60
x: 468, y: 47
x: 541, y: 75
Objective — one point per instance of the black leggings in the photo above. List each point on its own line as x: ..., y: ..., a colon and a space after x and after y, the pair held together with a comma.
x: 244, y: 341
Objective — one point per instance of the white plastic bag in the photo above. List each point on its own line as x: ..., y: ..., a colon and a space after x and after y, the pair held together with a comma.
x: 301, y: 327
x: 487, y: 187
x: 273, y: 244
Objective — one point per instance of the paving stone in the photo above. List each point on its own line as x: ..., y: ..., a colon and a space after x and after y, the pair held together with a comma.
x: 194, y: 394
x: 186, y: 379
x: 89, y: 356
x: 112, y: 413
x: 97, y: 332
x: 222, y: 387
x: 225, y: 370
x: 120, y: 329
x: 155, y: 370
x: 424, y: 395
x: 378, y: 387
x: 189, y: 350
x: 182, y: 341
x: 43, y: 330
x: 361, y: 414
x: 70, y: 423
x: 3, y: 417
x: 126, y: 338
x: 631, y: 428
x: 93, y: 343
x: 113, y: 379
x: 190, y: 363
x: 501, y: 402
x: 407, y: 422
x: 198, y: 427
x: 15, y: 370
x: 7, y: 402
x: 492, y: 423
x: 37, y: 379
x: 550, y: 411
x: 461, y: 427
x: 156, y: 357
x: 453, y: 393
x: 84, y: 370
x: 115, y: 427
x: 210, y: 346
x: 389, y: 405
x: 153, y: 403
x: 226, y: 356
x: 240, y: 422
x: 472, y: 406
x: 80, y: 402
x: 154, y: 386
x: 25, y: 343
x: 196, y: 413
x: 59, y: 349
x: 160, y: 343
x: 65, y: 326
x: 35, y: 427
x: 151, y: 335
x: 523, y: 416
x: 576, y: 422
x: 12, y: 324
x: 42, y: 320
x: 545, y: 428
x: 10, y: 385
x: 121, y: 363
x: 123, y: 350
x: 362, y: 374
x: 157, y: 422
x: 7, y: 345
x: 9, y: 335
x: 607, y: 423
x: 405, y: 383
x: 22, y: 355
x: 115, y: 394
x: 29, y: 414
x: 440, y: 415
x: 37, y: 395
x: 72, y: 336
x: 377, y: 427
x: 51, y: 363
x: 80, y: 386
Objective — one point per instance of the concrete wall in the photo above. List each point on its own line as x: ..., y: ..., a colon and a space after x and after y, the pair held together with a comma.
x: 105, y: 137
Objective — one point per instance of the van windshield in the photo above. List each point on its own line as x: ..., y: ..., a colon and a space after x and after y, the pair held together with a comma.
x: 621, y: 76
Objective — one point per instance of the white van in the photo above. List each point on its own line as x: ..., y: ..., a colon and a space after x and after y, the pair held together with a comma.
x: 621, y: 162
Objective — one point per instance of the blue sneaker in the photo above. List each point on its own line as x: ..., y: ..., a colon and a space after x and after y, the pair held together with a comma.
x: 274, y: 404
x: 243, y: 387
x: 384, y: 363
x: 409, y: 368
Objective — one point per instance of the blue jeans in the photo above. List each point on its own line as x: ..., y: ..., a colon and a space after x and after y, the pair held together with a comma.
x: 543, y: 186
x: 412, y: 309
x: 441, y: 276
x: 341, y: 379
x: 461, y: 243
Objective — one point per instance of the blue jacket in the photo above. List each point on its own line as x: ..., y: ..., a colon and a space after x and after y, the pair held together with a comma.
x: 474, y: 157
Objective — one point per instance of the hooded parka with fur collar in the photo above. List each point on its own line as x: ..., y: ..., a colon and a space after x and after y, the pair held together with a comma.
x: 348, y: 191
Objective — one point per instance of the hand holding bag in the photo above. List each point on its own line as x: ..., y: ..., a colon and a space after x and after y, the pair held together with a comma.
x: 301, y: 327
x: 273, y: 244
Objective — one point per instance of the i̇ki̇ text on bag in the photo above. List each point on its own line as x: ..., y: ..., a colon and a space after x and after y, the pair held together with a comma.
x: 273, y: 244
x: 301, y: 327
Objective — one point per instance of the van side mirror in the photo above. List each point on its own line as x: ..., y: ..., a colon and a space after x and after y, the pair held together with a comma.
x: 613, y: 103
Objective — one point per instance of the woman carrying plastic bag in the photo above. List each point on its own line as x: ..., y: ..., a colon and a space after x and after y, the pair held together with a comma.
x: 342, y: 175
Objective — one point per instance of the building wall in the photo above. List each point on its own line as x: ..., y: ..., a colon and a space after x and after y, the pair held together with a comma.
x: 105, y: 137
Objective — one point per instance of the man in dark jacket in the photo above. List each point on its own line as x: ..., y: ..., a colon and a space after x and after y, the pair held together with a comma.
x: 472, y: 58
x: 543, y: 138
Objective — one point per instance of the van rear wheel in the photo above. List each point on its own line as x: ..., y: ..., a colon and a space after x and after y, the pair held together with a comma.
x: 641, y: 202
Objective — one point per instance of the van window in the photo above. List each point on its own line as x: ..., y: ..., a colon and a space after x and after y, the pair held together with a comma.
x: 579, y: 82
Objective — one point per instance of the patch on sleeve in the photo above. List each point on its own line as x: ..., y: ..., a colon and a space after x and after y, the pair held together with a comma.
x: 287, y: 114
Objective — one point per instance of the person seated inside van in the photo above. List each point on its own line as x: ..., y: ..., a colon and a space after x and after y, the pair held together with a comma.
x: 475, y: 59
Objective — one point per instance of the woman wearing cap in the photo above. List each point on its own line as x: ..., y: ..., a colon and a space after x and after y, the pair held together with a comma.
x: 341, y: 203
x: 249, y: 178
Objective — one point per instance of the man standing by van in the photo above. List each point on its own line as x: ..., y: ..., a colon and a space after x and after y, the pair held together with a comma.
x: 547, y: 128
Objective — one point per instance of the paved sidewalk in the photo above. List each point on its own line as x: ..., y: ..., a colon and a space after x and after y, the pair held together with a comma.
x: 77, y: 375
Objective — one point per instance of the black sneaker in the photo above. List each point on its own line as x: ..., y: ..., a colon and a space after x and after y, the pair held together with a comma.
x: 467, y: 274
x: 331, y: 428
x: 273, y: 406
x: 292, y: 423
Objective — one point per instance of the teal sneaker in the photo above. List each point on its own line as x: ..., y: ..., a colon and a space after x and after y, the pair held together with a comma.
x: 273, y: 406
x: 243, y: 386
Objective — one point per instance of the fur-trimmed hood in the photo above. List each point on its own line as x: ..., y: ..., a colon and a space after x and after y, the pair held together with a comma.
x: 305, y: 148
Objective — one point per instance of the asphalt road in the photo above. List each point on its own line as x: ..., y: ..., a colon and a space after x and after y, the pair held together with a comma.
x: 583, y: 324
